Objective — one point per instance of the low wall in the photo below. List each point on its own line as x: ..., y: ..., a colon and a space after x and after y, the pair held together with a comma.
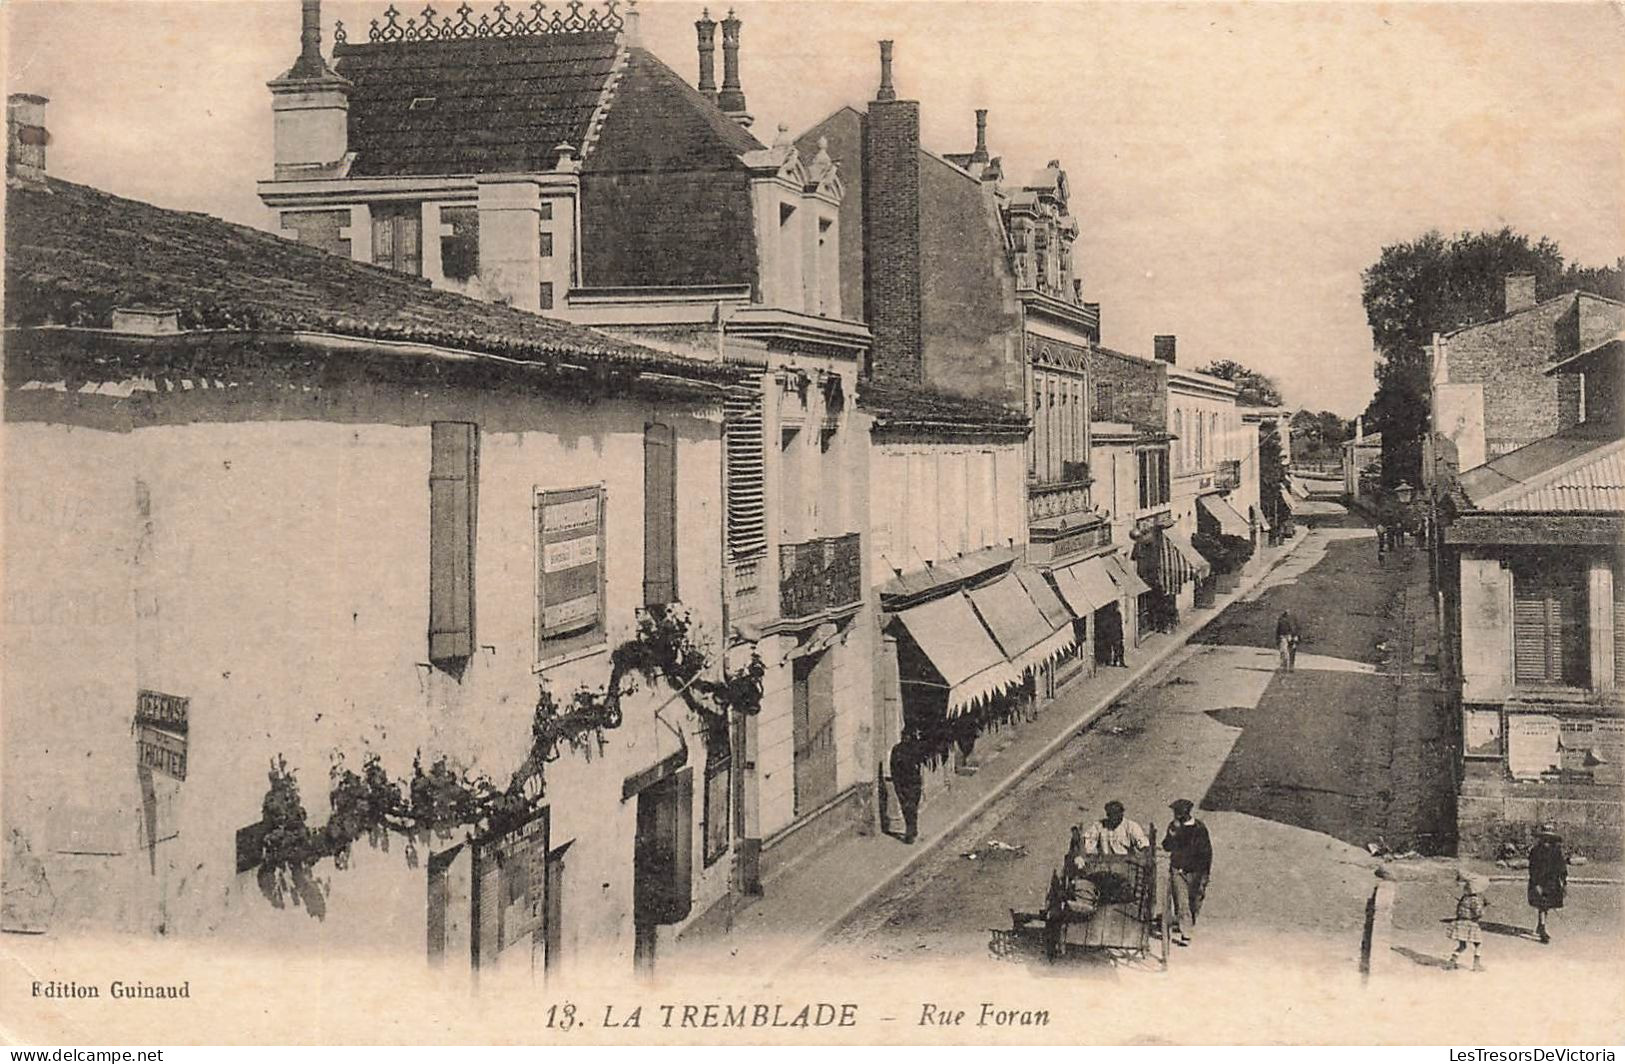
x: 1591, y: 819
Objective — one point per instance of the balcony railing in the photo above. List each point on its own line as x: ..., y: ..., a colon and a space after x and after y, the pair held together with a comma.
x: 1229, y: 475
x: 819, y: 575
x: 1053, y: 500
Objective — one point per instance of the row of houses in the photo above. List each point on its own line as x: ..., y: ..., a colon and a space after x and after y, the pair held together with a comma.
x: 582, y: 492
x: 1524, y: 472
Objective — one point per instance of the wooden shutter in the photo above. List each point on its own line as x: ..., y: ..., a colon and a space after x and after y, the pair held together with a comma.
x: 659, y: 515
x: 487, y: 905
x: 1549, y: 644
x: 1619, y: 628
x: 453, y: 490
x: 747, y: 511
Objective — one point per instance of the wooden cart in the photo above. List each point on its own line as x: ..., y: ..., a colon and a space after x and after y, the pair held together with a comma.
x: 1117, y: 906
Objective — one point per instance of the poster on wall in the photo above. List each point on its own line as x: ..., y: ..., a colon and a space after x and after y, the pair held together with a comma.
x: 1532, y: 745
x: 1608, y: 751
x: 1574, y: 739
x: 1481, y: 732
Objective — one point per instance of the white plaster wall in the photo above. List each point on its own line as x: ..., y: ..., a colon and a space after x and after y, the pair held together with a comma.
x: 282, y: 587
x: 933, y: 501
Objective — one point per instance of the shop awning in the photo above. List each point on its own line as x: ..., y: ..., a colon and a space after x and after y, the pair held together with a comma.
x: 1088, y: 586
x: 1018, y: 625
x: 1289, y: 502
x: 960, y: 649
x: 1230, y: 522
x: 1263, y: 522
x: 1044, y: 597
x: 1125, y: 577
x: 1192, y: 558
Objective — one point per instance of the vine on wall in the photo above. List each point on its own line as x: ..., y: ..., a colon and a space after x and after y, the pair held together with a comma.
x: 438, y: 799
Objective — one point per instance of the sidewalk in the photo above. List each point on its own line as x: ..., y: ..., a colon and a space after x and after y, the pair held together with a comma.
x: 802, y: 906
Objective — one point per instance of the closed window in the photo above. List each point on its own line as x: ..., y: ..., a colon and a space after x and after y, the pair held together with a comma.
x: 1103, y: 401
x: 747, y: 510
x: 397, y: 237
x: 659, y: 515
x: 453, y: 503
x: 547, y: 243
x: 570, y: 572
x: 717, y: 805
x: 1549, y: 640
x: 546, y: 300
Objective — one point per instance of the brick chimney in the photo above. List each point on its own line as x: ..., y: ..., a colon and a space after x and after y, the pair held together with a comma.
x: 732, y: 98
x: 980, y: 154
x: 706, y: 30
x: 1520, y: 292
x: 310, y: 105
x: 26, y: 139
x: 1163, y: 348
x: 891, y: 225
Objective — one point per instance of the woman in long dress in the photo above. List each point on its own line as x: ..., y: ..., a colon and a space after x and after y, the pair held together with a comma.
x: 1548, y: 877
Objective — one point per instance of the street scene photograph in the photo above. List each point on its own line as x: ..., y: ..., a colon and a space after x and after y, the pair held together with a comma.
x: 630, y: 522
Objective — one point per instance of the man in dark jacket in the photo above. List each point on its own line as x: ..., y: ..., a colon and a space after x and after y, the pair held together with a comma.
x: 1190, y: 863
x: 1548, y: 877
x: 1286, y: 637
x: 906, y: 757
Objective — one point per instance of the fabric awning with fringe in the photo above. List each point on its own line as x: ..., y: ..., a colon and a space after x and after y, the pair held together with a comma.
x: 962, y: 651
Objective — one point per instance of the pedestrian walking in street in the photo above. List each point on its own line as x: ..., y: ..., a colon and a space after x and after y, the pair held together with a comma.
x: 1287, y: 637
x: 1113, y: 835
x: 1382, y: 542
x: 1190, y: 863
x: 1111, y: 635
x: 906, y: 758
x: 1467, y: 926
x: 1548, y: 877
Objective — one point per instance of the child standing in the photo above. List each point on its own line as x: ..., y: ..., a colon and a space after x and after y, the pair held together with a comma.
x: 1466, y: 926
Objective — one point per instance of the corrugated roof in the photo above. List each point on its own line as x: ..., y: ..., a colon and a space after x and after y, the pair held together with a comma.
x: 1578, y: 470
x: 481, y: 106
x: 74, y: 253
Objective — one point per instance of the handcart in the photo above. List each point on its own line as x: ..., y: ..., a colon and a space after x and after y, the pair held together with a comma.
x: 1116, y: 906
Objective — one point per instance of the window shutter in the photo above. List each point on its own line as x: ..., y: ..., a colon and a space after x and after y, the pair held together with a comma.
x: 1529, y: 637
x: 1619, y: 629
x: 487, y: 908
x: 747, y: 512
x: 1549, y: 643
x: 659, y: 515
x: 452, y: 503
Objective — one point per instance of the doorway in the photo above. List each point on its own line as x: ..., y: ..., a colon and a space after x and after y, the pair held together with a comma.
x: 813, y: 706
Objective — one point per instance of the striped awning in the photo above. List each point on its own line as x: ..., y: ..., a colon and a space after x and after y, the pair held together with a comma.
x: 1018, y: 625
x: 1043, y: 596
x: 1229, y: 521
x: 949, y: 634
x: 1088, y: 586
x: 1189, y: 555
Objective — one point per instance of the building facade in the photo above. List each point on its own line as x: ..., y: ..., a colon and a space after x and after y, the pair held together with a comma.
x: 1533, y: 613
x: 368, y: 549
x: 625, y: 198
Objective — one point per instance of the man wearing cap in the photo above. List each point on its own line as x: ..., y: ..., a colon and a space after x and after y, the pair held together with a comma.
x: 1190, y: 861
x: 1548, y: 877
x: 1113, y: 835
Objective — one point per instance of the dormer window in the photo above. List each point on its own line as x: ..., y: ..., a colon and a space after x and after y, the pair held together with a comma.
x: 422, y: 103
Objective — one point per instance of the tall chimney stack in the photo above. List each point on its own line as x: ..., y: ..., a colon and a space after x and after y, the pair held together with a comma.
x: 25, y: 140
x: 706, y: 29
x: 310, y: 105
x: 980, y: 154
x: 1520, y: 292
x: 891, y: 224
x: 1163, y: 348
x: 732, y: 98
x: 887, y: 91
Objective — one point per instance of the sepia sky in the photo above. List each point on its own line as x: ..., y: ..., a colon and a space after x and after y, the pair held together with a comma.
x: 1233, y: 167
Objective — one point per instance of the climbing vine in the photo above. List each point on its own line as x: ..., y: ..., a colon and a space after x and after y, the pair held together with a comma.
x: 437, y: 798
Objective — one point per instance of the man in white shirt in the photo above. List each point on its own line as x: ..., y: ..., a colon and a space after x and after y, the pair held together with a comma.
x: 1113, y: 835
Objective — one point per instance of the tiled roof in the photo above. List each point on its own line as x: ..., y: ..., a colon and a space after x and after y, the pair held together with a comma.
x: 1581, y: 469
x: 1596, y: 354
x: 899, y: 407
x: 74, y: 253
x: 659, y: 121
x: 481, y: 106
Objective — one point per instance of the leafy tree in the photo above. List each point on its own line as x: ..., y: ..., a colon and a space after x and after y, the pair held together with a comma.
x: 1252, y: 388
x: 1271, y: 470
x: 1434, y: 284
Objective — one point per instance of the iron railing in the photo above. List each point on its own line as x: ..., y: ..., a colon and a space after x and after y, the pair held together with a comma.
x: 819, y: 575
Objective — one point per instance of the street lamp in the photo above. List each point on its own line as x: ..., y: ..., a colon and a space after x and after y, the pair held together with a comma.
x: 1404, y: 492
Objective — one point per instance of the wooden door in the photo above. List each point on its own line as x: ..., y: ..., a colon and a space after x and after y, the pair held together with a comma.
x: 814, y: 731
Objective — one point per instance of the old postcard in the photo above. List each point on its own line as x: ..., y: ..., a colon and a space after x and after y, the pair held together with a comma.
x: 644, y: 523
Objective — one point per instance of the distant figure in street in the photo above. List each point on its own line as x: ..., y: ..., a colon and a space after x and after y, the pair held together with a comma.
x: 1382, y: 542
x: 1466, y: 927
x: 1113, y: 836
x: 1287, y: 637
x: 1190, y: 863
x: 1548, y: 877
x: 906, y: 758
